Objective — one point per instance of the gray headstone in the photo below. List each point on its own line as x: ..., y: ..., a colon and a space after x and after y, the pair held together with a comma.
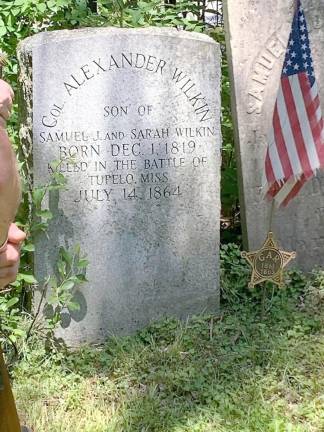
x: 139, y: 112
x: 257, y: 37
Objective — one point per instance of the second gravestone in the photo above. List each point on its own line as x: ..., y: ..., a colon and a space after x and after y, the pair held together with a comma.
x: 257, y: 36
x: 133, y: 116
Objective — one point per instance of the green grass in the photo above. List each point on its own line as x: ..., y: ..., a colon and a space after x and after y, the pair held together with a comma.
x: 231, y: 373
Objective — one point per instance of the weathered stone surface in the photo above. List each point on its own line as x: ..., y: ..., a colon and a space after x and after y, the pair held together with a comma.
x: 257, y: 38
x: 138, y: 112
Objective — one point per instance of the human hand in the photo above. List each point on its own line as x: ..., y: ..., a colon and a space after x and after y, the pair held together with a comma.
x: 6, y: 98
x: 10, y: 256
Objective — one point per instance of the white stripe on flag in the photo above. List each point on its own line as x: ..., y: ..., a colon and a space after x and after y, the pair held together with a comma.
x: 318, y: 114
x: 315, y: 94
x: 314, y: 91
x: 287, y: 133
x: 284, y: 191
x: 304, y: 122
x: 274, y: 157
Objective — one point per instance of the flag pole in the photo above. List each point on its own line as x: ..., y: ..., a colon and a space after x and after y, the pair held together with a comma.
x: 272, y: 211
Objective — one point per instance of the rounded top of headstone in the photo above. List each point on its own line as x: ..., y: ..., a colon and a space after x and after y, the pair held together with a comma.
x: 88, y: 32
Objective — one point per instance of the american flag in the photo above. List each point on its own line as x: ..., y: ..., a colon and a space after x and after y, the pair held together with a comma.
x: 296, y: 140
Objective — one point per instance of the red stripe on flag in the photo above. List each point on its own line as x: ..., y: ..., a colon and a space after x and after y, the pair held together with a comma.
x: 315, y: 102
x: 296, y: 128
x: 294, y: 191
x: 281, y: 145
x: 274, y: 189
x: 268, y: 169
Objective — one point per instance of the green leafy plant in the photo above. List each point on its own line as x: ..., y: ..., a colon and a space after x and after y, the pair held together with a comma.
x: 235, y: 273
x: 10, y: 319
x: 71, y: 267
x: 314, y: 295
x: 56, y: 294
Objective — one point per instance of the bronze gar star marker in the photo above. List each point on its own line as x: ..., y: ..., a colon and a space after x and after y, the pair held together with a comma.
x: 268, y: 262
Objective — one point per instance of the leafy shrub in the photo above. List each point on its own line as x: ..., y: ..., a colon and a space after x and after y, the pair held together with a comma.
x: 235, y: 273
x: 314, y: 295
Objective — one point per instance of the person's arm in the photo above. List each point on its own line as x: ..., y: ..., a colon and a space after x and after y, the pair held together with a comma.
x: 9, y: 178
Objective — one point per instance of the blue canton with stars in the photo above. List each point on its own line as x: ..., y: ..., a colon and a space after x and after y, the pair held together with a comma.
x: 298, y: 55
